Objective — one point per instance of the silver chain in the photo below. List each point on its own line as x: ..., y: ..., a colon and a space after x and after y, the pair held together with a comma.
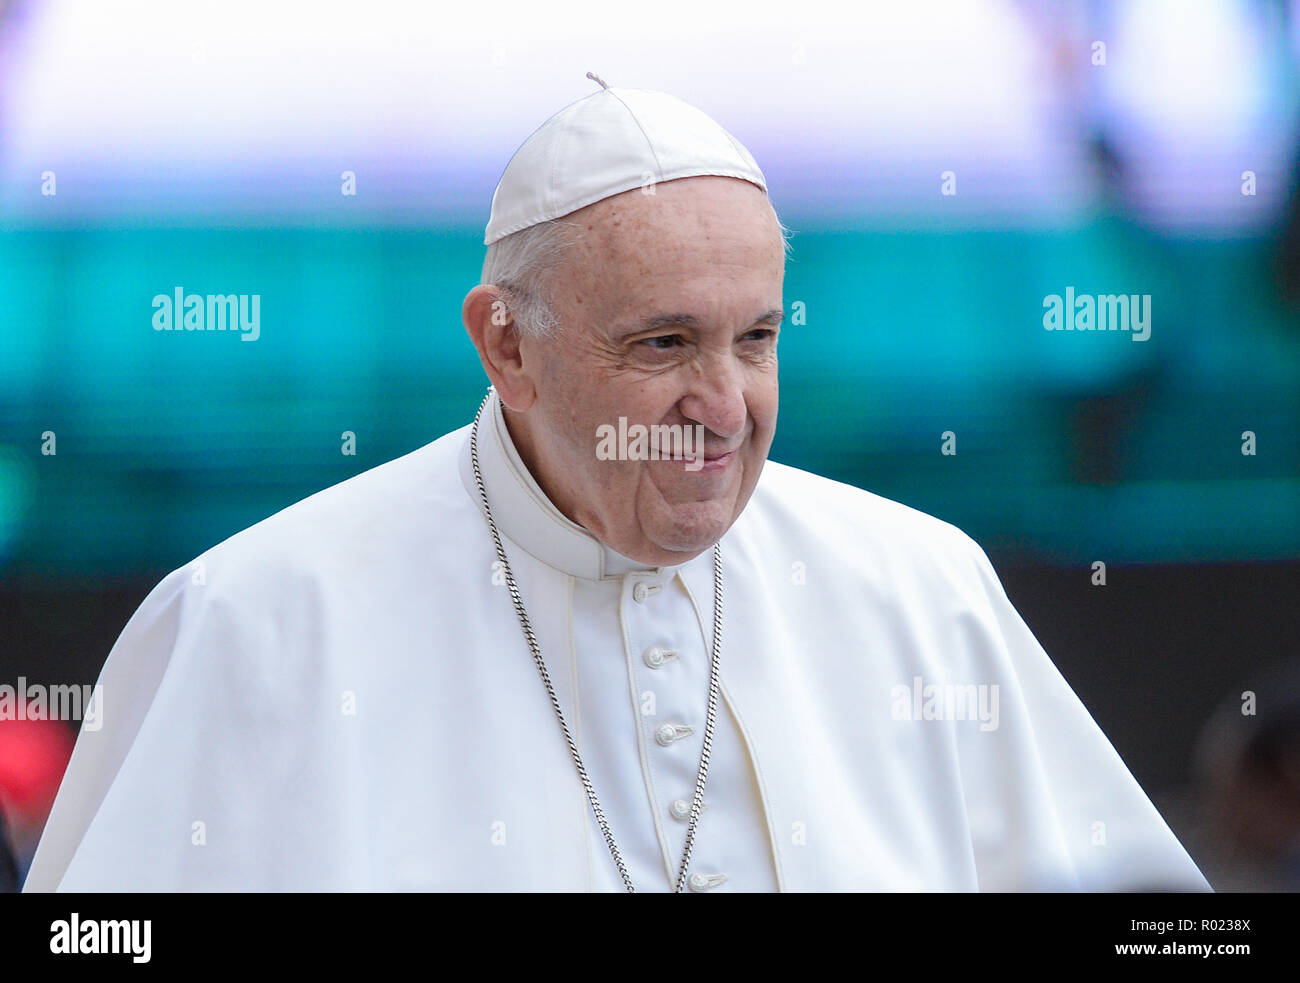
x: 697, y: 803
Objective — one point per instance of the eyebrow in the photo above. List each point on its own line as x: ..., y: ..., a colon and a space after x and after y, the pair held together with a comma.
x: 657, y: 321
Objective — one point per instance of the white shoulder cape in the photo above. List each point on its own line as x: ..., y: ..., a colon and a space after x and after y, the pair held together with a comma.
x: 228, y: 758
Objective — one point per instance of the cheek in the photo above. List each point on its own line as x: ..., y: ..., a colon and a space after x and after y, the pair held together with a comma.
x: 569, y: 401
x: 763, y: 405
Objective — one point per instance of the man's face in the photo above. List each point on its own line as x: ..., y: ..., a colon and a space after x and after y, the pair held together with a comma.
x: 669, y: 309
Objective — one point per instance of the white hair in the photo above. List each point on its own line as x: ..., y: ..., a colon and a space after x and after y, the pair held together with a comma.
x: 522, y: 263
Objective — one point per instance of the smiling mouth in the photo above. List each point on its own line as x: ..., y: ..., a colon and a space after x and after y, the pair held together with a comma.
x: 707, y: 464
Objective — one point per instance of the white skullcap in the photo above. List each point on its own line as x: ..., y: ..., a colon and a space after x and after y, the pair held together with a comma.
x: 609, y: 142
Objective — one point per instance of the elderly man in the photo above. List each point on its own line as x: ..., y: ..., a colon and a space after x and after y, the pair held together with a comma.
x: 530, y: 656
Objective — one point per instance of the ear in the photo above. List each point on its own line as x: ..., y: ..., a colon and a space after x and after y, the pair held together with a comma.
x: 491, y: 328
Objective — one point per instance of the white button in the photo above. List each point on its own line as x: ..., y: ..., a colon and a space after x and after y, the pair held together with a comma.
x: 667, y: 733
x: 681, y: 808
x: 705, y: 882
x: 655, y: 656
x: 641, y: 590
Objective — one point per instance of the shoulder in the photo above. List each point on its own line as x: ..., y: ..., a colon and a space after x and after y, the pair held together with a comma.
x: 362, y: 535
x: 270, y: 601
x: 380, y: 512
x: 849, y: 522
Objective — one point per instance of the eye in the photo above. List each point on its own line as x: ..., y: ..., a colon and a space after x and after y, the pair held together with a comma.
x: 759, y: 334
x: 668, y: 341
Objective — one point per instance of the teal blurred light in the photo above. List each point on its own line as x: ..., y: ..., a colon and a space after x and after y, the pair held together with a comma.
x: 170, y: 441
x: 17, y: 482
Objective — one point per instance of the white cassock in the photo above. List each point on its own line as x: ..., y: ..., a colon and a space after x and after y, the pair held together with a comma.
x: 340, y: 698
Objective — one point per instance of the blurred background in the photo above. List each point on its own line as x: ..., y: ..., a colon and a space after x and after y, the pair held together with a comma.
x: 945, y: 167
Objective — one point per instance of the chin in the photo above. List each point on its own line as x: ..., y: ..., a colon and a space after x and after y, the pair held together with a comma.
x: 694, y: 527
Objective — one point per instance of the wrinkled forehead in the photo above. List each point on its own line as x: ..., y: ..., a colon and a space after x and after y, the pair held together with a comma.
x: 694, y: 205
x: 712, y: 249
x: 679, y: 225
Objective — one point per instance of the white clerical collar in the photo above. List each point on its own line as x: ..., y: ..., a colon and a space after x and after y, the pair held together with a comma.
x: 524, y: 514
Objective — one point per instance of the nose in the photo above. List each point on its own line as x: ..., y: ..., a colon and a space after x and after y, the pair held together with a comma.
x: 716, y: 397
